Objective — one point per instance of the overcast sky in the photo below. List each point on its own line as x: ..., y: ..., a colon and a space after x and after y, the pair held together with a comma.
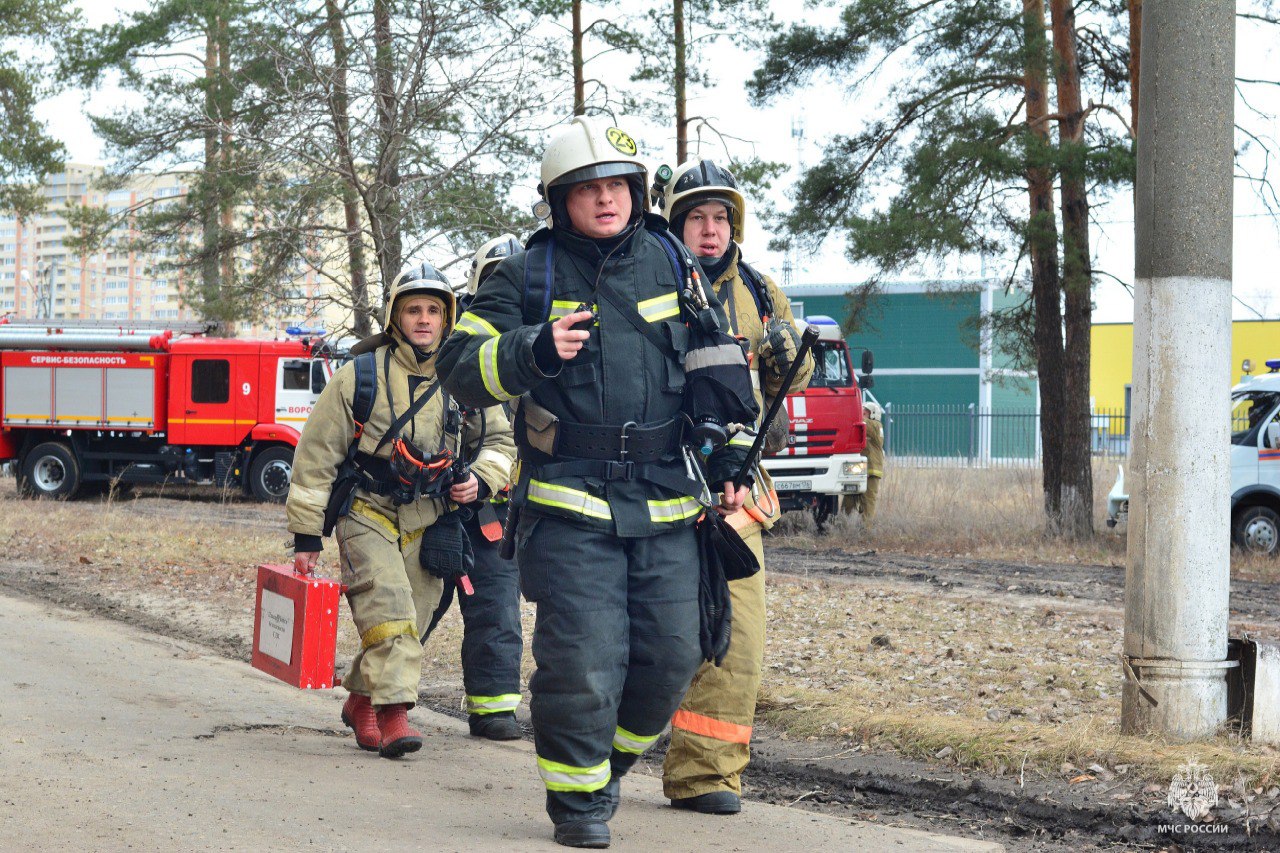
x: 772, y: 132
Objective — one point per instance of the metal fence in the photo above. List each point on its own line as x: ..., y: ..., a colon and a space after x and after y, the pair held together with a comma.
x: 972, y: 436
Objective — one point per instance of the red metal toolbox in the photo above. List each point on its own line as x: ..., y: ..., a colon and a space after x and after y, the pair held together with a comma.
x: 295, y: 626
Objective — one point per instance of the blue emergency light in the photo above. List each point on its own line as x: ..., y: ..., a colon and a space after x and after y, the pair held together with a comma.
x: 821, y: 320
x: 1273, y: 363
x: 302, y: 330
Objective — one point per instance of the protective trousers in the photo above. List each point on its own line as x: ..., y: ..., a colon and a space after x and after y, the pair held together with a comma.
x: 392, y: 599
x: 615, y: 642
x: 711, y: 732
x: 491, y: 641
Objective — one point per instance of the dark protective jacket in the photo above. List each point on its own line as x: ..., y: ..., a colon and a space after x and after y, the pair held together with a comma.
x: 619, y: 377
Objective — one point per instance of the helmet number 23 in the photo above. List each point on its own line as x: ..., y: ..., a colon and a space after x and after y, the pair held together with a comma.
x: 244, y: 389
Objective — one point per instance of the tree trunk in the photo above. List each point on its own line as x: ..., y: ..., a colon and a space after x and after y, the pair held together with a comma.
x: 579, y: 64
x: 210, y: 214
x: 1042, y: 240
x: 1076, y: 519
x: 226, y: 304
x: 679, y: 79
x: 360, y: 309
x: 383, y: 199
x: 1135, y: 53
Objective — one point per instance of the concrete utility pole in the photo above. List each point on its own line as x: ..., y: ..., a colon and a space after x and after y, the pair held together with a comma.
x: 1176, y: 587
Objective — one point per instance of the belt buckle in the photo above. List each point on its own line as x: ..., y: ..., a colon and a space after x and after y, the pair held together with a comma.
x: 622, y: 470
x: 622, y: 439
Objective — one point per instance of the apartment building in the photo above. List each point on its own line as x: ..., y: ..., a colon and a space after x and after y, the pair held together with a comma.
x: 41, y: 277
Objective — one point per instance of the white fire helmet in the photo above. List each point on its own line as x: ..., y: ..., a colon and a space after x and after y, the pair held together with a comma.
x: 703, y: 182
x: 488, y: 256
x: 872, y: 410
x: 589, y: 149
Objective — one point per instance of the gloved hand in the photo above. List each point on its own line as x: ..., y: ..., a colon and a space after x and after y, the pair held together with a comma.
x: 779, y: 348
x: 446, y: 551
x: 775, y: 440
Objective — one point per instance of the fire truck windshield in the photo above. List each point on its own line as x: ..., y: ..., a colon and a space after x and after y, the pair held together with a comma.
x: 831, y: 366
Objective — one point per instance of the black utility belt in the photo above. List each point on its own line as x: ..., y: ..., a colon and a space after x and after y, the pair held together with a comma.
x: 671, y: 475
x: 626, y: 443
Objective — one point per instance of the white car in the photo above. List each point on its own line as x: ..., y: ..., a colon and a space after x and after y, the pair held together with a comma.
x: 1255, y: 466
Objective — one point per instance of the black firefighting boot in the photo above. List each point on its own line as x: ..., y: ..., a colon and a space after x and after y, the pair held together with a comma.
x: 583, y: 833
x: 716, y: 802
x: 499, y: 726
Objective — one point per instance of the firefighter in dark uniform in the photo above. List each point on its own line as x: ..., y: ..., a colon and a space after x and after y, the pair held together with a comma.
x: 390, y: 543
x: 491, y: 641
x: 606, y: 489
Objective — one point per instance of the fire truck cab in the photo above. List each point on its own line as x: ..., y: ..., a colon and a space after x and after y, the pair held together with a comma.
x: 82, y: 409
x: 824, y: 458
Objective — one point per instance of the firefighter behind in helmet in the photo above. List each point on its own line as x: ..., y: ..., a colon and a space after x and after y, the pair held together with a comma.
x: 711, y: 733
x: 388, y: 486
x: 865, y: 503
x: 585, y: 333
x: 491, y: 641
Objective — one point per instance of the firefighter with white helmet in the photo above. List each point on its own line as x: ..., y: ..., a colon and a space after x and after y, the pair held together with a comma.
x: 711, y: 732
x: 487, y: 258
x: 377, y: 464
x: 585, y: 332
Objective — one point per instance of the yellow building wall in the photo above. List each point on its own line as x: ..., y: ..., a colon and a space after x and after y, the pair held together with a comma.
x: 1111, y: 366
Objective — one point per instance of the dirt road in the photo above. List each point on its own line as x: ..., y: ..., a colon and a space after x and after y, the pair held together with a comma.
x: 115, y: 738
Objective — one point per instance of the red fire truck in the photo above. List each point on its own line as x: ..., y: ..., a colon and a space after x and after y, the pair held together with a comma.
x: 824, y: 459
x: 86, y: 405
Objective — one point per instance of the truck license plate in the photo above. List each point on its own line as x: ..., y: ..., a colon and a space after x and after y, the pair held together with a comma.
x: 793, y: 485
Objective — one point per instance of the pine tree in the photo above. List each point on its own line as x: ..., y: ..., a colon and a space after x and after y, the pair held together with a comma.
x: 960, y: 159
x: 27, y: 152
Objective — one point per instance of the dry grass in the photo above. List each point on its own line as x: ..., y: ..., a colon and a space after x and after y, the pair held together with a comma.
x: 992, y: 514
x: 1009, y: 688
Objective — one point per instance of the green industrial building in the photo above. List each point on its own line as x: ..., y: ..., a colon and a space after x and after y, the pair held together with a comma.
x: 949, y: 392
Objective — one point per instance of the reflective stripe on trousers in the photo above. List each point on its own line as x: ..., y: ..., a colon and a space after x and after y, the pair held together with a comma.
x: 625, y: 741
x: 699, y: 724
x: 493, y: 704
x: 563, y: 777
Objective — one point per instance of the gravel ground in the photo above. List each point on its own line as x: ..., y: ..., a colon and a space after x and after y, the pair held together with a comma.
x: 828, y: 607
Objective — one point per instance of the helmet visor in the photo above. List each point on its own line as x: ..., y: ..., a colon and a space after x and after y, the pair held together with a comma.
x: 598, y: 170
x: 688, y: 203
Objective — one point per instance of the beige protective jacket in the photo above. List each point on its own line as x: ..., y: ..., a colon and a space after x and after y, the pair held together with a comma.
x: 735, y: 296
x: 330, y: 429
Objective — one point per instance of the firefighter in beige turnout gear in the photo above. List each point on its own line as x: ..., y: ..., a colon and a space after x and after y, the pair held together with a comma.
x: 865, y: 503
x: 392, y: 596
x: 711, y: 732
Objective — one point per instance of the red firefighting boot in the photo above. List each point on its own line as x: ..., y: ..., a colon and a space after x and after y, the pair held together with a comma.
x: 398, y: 737
x: 358, y: 714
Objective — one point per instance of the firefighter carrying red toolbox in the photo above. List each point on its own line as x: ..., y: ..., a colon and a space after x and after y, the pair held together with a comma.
x: 387, y: 462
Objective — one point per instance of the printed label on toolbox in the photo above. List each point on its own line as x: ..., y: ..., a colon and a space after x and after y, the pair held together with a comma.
x: 276, y: 631
x: 792, y: 485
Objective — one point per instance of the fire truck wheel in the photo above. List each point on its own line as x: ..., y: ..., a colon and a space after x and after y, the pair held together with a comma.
x: 1257, y: 530
x: 51, y: 471
x: 270, y: 473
